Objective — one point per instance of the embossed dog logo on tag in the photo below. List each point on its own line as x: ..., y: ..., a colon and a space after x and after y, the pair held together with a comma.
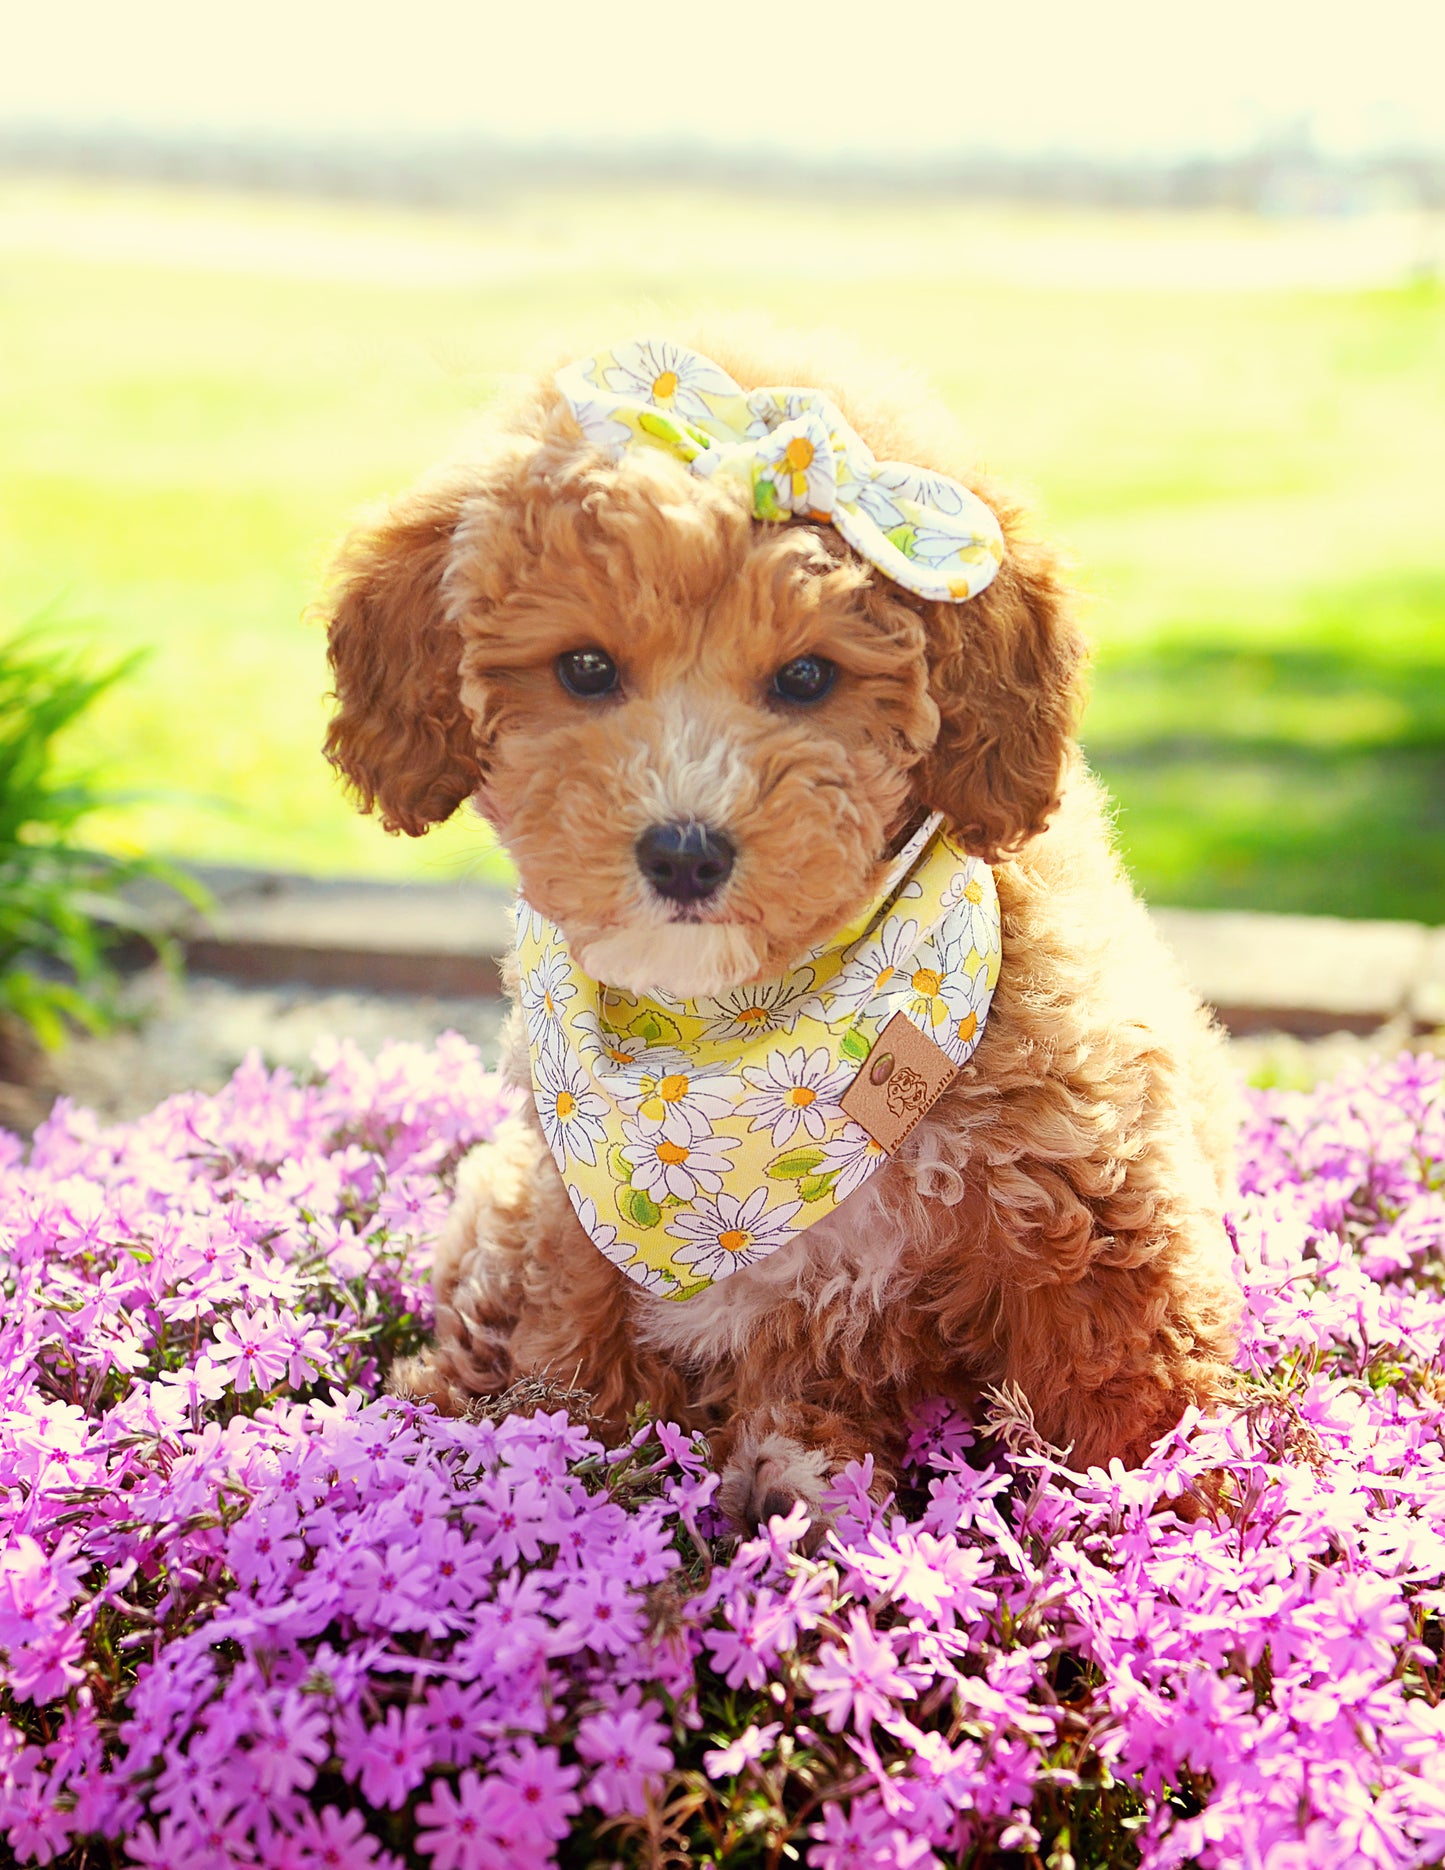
x: 907, y: 1092
x: 902, y: 1078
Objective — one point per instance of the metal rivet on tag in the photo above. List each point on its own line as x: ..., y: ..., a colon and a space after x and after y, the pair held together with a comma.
x: 882, y: 1069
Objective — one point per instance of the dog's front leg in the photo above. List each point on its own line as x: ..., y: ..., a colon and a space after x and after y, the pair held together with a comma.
x: 1112, y: 1360
x: 522, y: 1292
x: 478, y: 1277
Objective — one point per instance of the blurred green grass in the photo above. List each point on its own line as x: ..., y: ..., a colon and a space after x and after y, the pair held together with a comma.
x: 196, y: 394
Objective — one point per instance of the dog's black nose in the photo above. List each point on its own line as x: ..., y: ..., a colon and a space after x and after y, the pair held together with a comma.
x: 684, y: 863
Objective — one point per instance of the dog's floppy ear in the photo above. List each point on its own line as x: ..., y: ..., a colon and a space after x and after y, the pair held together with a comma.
x: 1005, y: 669
x: 400, y: 734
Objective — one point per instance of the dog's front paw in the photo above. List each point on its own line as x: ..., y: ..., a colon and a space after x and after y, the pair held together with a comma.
x: 767, y: 1475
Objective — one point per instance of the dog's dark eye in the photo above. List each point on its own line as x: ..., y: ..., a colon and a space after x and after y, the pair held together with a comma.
x: 805, y: 678
x: 587, y: 672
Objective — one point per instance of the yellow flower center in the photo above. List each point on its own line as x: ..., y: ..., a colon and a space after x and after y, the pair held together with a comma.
x: 566, y: 1104
x: 671, y: 1154
x: 665, y: 385
x: 800, y: 1095
x: 752, y: 1015
x: 883, y: 978
x: 973, y: 890
x: 799, y: 454
x: 926, y: 980
x: 618, y: 1056
x: 734, y: 1239
x: 547, y: 1000
x: 967, y: 1027
x: 672, y: 1088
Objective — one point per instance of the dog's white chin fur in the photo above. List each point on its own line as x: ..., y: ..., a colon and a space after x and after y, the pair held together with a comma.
x: 684, y: 959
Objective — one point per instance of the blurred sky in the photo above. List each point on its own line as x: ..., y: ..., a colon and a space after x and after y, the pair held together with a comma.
x: 1108, y: 77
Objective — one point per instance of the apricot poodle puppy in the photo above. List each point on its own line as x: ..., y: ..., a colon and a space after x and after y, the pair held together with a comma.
x: 851, y: 1070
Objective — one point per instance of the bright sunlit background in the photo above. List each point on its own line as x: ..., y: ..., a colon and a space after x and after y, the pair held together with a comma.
x: 1178, y: 270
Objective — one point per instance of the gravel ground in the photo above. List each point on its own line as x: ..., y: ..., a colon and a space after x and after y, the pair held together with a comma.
x: 191, y: 1034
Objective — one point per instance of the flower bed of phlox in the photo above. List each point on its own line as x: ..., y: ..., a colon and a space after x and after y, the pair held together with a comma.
x: 252, y: 1612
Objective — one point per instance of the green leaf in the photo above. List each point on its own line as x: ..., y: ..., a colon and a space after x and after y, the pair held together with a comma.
x: 814, y: 1187
x: 638, y: 1208
x: 63, y: 908
x: 618, y: 1166
x: 654, y: 1028
x: 794, y: 1163
x: 854, y: 1045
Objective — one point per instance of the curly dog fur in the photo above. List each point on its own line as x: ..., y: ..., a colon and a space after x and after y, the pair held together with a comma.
x: 1056, y: 1220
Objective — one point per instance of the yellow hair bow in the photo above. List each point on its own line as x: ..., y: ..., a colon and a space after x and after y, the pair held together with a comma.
x: 795, y: 456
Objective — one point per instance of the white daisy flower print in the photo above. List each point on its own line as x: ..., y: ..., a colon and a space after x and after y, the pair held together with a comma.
x: 928, y: 1004
x: 724, y: 1234
x: 598, y: 423
x: 668, y: 376
x: 772, y: 1006
x: 854, y: 1156
x: 970, y: 927
x: 570, y: 1109
x: 544, y: 990
x: 797, y: 1089
x: 875, y: 966
x: 871, y: 495
x: 602, y: 1236
x: 651, y: 1279
x: 613, y: 1051
x: 943, y: 546
x: 684, y: 1100
x: 796, y: 463
x: 935, y: 493
x: 530, y: 923
x: 664, y: 1166
x: 968, y: 997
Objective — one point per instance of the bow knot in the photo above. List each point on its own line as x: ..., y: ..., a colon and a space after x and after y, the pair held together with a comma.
x: 793, y: 455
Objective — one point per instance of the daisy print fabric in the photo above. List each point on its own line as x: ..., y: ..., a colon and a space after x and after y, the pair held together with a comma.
x: 794, y: 455
x: 698, y: 1136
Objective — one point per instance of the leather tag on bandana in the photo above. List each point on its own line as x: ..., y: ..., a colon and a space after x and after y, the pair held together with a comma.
x: 898, y: 1083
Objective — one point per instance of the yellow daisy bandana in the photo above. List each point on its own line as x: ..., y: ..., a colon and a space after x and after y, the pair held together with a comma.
x: 697, y: 1136
x: 795, y: 457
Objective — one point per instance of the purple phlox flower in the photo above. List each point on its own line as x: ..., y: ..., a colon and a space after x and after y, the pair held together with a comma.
x: 746, y: 1647
x: 393, y: 1588
x: 726, y: 1762
x: 461, y: 1720
x: 510, y: 1632
x: 1359, y: 1621
x: 388, y: 1760
x: 626, y: 1746
x: 680, y: 1448
x: 211, y: 1832
x: 848, y: 1499
x: 337, y: 1840
x: 263, y: 1549
x: 36, y: 1827
x: 479, y: 1825
x: 289, y: 1741
x: 513, y: 1519
x: 544, y: 1788
x: 930, y: 1576
x: 45, y: 1641
x: 862, y: 1836
x: 858, y: 1681
x: 598, y: 1611
x: 643, y: 1551
x: 255, y: 1347
x: 784, y: 1531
